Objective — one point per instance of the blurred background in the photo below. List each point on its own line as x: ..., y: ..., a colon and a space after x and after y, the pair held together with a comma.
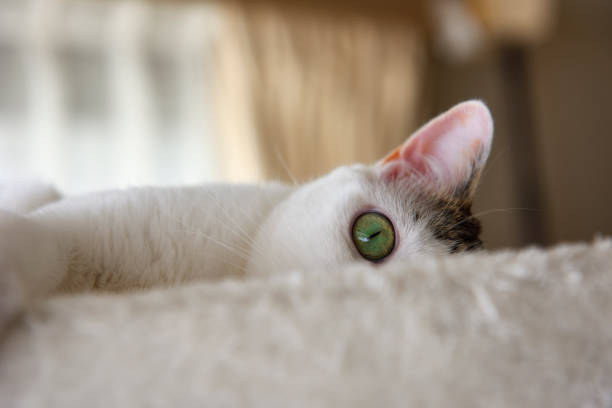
x: 97, y: 94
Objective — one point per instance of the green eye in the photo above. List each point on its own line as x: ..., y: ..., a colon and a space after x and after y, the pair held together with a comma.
x: 373, y: 236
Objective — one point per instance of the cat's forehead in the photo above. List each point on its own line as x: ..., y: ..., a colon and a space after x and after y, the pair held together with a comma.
x: 360, y: 183
x: 354, y: 173
x: 344, y: 184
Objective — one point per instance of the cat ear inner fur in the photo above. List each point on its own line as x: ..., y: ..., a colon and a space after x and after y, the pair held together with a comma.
x: 446, y: 154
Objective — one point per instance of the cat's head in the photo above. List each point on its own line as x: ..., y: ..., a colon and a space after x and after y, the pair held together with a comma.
x: 415, y: 200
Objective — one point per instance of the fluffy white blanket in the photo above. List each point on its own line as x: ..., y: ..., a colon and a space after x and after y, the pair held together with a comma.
x: 512, y: 329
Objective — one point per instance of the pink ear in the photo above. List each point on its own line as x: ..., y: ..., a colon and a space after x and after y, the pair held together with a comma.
x: 449, y: 150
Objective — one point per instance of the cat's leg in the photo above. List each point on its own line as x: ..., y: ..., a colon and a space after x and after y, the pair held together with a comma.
x: 32, y: 263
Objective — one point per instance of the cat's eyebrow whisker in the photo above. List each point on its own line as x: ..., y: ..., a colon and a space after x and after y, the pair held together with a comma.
x: 283, y: 163
x: 493, y: 211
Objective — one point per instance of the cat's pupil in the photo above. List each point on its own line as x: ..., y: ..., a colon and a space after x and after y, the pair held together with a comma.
x: 374, y: 235
x: 368, y: 238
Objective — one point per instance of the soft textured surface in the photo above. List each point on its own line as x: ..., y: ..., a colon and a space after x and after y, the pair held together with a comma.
x: 531, y: 328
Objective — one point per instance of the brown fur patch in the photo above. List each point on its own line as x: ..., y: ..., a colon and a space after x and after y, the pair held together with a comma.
x: 455, y: 225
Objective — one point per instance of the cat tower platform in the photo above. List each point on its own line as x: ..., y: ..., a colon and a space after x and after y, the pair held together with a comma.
x: 509, y: 329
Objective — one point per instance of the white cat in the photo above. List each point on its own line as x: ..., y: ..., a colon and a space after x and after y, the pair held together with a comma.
x: 416, y: 200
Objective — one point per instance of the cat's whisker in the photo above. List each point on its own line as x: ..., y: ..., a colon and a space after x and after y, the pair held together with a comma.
x: 243, y: 255
x: 239, y: 232
x: 283, y: 163
x: 235, y: 266
x: 493, y: 211
x: 496, y: 210
x: 183, y: 228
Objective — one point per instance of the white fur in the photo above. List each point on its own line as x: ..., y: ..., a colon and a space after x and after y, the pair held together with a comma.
x: 512, y: 329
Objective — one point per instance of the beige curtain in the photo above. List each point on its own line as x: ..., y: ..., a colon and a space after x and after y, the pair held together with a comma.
x: 300, y: 93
